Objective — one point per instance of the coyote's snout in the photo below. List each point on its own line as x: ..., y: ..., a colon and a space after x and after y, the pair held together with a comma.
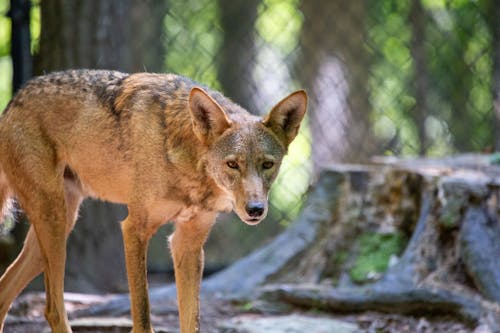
x: 167, y: 147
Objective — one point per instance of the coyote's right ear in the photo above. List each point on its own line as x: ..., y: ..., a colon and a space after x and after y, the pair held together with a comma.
x: 209, y: 120
x: 286, y: 116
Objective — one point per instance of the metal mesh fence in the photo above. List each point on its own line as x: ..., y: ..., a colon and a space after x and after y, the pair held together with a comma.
x: 384, y: 77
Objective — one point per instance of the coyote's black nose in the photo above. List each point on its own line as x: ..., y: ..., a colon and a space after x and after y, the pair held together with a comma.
x: 255, y: 208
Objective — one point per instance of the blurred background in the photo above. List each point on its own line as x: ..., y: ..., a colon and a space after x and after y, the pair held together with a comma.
x: 385, y: 77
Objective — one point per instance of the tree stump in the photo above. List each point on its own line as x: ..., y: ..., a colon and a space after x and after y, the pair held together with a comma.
x: 411, y: 237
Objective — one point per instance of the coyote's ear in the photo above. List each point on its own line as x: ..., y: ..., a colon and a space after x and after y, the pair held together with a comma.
x: 209, y: 120
x: 284, y: 119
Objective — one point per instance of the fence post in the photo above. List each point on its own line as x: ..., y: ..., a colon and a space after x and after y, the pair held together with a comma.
x: 20, y: 51
x: 22, y: 68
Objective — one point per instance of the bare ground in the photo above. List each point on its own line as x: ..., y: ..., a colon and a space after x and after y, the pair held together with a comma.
x: 26, y: 316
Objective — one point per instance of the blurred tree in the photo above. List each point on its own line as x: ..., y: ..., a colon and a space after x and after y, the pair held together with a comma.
x: 421, y: 80
x: 22, y: 61
x: 117, y: 34
x: 334, y: 67
x: 460, y: 73
x: 493, y: 17
x: 238, y: 52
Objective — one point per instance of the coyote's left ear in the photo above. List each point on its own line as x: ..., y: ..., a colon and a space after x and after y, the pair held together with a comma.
x: 284, y: 119
x: 209, y: 120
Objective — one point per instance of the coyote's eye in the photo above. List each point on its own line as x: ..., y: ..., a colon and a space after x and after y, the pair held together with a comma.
x: 267, y: 165
x: 233, y: 164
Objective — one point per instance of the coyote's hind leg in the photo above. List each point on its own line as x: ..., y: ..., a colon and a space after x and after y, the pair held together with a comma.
x: 29, y: 262
x: 50, y: 227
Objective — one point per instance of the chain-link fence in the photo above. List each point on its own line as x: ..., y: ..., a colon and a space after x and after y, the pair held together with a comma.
x: 385, y: 77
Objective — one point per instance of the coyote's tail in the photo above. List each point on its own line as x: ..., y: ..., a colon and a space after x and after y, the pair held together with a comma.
x: 5, y: 194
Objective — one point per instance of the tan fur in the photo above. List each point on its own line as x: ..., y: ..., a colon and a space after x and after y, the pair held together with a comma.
x: 167, y: 147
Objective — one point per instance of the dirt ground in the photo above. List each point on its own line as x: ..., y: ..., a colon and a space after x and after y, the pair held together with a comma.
x: 26, y: 316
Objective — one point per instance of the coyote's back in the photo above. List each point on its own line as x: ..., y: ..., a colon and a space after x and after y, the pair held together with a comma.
x: 101, y: 123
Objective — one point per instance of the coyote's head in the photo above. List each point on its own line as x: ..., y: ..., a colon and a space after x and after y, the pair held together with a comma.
x: 245, y: 152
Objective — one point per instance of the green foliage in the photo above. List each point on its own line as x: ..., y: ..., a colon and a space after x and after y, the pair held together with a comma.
x: 293, y: 180
x: 374, y: 252
x: 5, y: 81
x: 279, y: 23
x: 35, y: 25
x: 457, y: 44
x: 460, y: 69
x: 5, y: 62
x: 193, y: 37
x: 391, y: 99
x: 247, y: 306
x: 4, y: 28
x: 341, y: 257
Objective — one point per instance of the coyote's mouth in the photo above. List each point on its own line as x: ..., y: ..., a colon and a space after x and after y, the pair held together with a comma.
x: 253, y: 221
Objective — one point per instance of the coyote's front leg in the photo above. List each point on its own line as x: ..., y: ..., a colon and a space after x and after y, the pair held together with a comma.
x: 135, y: 238
x: 187, y: 251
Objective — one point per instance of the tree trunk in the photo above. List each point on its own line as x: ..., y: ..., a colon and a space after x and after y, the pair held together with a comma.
x: 493, y: 18
x: 417, y: 19
x: 238, y: 51
x: 22, y: 62
x: 334, y: 67
x: 116, y: 34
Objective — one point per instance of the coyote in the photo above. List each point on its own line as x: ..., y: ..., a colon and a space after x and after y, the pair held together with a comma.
x: 167, y: 147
